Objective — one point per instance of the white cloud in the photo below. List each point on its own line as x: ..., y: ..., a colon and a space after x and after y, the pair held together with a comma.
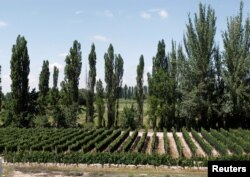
x: 33, y: 82
x: 108, y: 13
x: 78, y: 12
x: 3, y: 24
x: 145, y: 15
x: 163, y: 14
x: 62, y: 54
x: 100, y: 38
x: 58, y: 65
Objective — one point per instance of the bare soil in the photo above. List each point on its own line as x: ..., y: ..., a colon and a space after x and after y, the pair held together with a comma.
x: 148, y: 149
x: 146, y: 144
x: 133, y: 146
x: 160, y: 145
x: 199, y: 151
x: 215, y: 153
x: 186, y: 150
x: 172, y: 146
x: 72, y: 171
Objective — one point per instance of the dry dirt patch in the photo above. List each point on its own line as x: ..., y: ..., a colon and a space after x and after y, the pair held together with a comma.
x: 172, y: 146
x: 186, y: 150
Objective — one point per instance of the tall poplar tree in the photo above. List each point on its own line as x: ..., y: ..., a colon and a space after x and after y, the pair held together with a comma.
x: 157, y: 82
x: 0, y: 89
x: 44, y: 79
x: 43, y: 87
x: 200, y: 48
x: 110, y: 85
x: 58, y: 116
x: 54, y: 91
x: 91, y: 85
x: 236, y: 57
x: 164, y: 94
x: 100, y: 105
x: 118, y: 83
x: 19, y: 66
x: 125, y: 90
x: 72, y: 71
x: 139, y: 90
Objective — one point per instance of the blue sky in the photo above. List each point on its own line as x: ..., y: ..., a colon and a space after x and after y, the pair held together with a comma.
x: 134, y: 27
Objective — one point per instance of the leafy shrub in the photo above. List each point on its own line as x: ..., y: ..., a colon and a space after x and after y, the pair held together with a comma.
x: 103, y: 144
x: 189, y: 141
x: 113, y: 158
x: 205, y: 146
x: 95, y: 139
x: 154, y: 143
x: 231, y: 145
x: 129, y: 141
x: 178, y: 143
x: 221, y: 148
x: 115, y: 144
x: 237, y: 139
x: 128, y: 117
x: 141, y: 142
x: 166, y: 142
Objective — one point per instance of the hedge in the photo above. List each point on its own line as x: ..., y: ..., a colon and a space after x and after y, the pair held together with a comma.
x: 112, y: 158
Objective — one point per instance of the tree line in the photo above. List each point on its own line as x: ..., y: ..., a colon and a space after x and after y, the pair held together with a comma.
x: 194, y: 85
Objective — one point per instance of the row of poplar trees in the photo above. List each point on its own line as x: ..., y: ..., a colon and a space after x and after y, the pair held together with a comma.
x: 27, y: 108
x: 198, y: 86
x: 202, y: 86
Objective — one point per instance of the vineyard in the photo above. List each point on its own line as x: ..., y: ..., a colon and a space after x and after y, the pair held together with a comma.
x: 122, y: 146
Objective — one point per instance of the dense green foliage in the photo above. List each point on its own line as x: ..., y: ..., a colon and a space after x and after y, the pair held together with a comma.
x: 116, y: 143
x: 234, y: 138
x: 189, y: 141
x: 166, y: 141
x: 44, y: 79
x: 18, y: 110
x: 128, y: 117
x: 118, y: 84
x: 72, y: 72
x: 204, y: 145
x: 91, y: 85
x: 154, y: 143
x: 38, y: 145
x: 219, y: 146
x: 110, y: 85
x: 139, y: 91
x: 141, y: 143
x: 236, y: 40
x: 0, y: 89
x: 178, y: 143
x: 100, y: 103
x: 113, y: 158
x: 194, y: 85
x: 232, y: 146
x: 129, y: 141
x: 200, y: 94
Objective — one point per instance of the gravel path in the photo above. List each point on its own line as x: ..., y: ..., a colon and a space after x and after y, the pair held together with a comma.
x: 172, y: 146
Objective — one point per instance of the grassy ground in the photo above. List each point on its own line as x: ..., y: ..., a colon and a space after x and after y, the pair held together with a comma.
x: 122, y: 103
x: 13, y: 171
